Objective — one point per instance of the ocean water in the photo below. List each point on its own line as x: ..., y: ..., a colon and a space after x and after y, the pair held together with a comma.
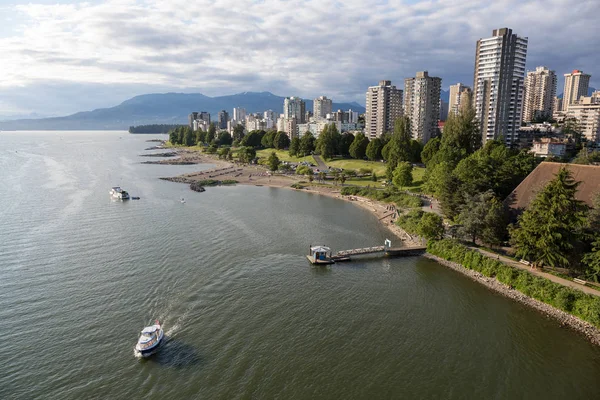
x: 246, y: 316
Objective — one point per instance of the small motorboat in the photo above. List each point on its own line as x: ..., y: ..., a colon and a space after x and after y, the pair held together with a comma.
x: 117, y: 193
x: 182, y: 200
x: 150, y: 338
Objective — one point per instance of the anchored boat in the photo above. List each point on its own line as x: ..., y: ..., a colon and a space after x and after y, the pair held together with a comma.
x: 150, y: 338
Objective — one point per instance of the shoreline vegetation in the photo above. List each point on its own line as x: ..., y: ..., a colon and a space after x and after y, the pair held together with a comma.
x: 569, y: 307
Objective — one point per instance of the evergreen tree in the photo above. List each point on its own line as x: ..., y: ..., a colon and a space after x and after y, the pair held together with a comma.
x: 482, y: 217
x: 189, y: 138
x: 551, y: 227
x: 212, y: 132
x: 358, y: 148
x: 294, y: 146
x: 273, y: 162
x: 328, y: 141
x: 173, y: 137
x: 238, y: 132
x: 594, y: 214
x: 402, y: 175
x: 592, y: 260
x: 200, y: 136
x: 373, y: 151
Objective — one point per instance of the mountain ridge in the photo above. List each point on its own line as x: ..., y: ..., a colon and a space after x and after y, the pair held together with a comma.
x: 160, y: 108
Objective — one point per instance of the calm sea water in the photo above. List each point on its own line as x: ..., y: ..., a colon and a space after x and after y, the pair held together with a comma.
x: 245, y: 315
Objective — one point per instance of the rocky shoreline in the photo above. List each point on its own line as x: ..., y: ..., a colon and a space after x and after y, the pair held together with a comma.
x: 169, y: 154
x: 564, y: 319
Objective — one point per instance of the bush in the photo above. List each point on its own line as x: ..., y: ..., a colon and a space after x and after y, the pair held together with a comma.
x: 572, y: 301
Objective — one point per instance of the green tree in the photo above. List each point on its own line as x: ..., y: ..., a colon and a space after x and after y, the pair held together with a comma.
x: 345, y: 142
x: 294, y: 146
x: 273, y: 162
x: 592, y: 260
x: 173, y: 137
x: 431, y: 226
x: 482, y: 217
x: 429, y: 150
x: 253, y: 139
x: 238, y: 132
x: 224, y: 139
x: 200, y: 136
x: 267, y: 140
x: 373, y: 151
x: 374, y: 177
x: 358, y: 148
x: 281, y: 141
x: 246, y: 154
x: 403, y: 174
x: 551, y: 227
x: 594, y: 214
x: 189, y: 138
x: 307, y: 144
x: 327, y: 144
x: 212, y: 132
x: 342, y: 178
x: 398, y: 147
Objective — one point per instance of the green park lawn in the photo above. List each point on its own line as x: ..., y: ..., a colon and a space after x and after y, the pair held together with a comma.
x: 375, y: 166
x: 284, y: 155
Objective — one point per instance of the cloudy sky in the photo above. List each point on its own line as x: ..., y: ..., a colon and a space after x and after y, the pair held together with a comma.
x: 63, y: 56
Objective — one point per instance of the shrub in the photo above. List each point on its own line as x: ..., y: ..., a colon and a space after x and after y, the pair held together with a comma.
x: 573, y: 301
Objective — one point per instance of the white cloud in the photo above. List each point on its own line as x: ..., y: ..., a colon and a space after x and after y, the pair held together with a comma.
x: 291, y: 47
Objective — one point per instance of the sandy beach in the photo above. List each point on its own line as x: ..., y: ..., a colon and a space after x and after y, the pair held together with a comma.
x: 258, y: 175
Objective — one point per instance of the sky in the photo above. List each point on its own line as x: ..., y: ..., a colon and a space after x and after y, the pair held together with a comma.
x: 62, y: 56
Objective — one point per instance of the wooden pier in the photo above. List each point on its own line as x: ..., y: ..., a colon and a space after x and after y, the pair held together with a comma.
x: 385, y: 250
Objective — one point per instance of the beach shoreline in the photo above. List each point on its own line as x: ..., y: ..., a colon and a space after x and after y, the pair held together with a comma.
x: 254, y: 175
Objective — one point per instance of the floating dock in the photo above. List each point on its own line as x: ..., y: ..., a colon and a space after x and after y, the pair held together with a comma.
x: 326, y: 257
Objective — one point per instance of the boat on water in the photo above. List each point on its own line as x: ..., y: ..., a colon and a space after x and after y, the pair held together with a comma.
x: 182, y: 200
x: 119, y: 194
x: 150, y: 338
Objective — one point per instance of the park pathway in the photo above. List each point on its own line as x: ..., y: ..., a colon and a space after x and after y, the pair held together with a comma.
x: 320, y: 163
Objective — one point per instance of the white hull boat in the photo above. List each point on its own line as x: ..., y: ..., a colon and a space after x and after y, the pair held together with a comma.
x: 119, y: 194
x: 150, y: 339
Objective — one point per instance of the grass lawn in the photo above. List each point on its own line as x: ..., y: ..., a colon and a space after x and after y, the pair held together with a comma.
x: 415, y: 187
x: 376, y: 166
x: 284, y: 155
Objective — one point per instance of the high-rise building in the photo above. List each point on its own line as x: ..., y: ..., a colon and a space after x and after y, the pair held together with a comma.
x: 498, y: 84
x: 239, y: 114
x: 384, y: 106
x: 540, y: 90
x: 576, y: 85
x: 587, y: 113
x: 321, y: 107
x: 557, y: 106
x: 191, y: 118
x: 294, y: 107
x: 422, y: 105
x: 204, y: 116
x: 223, y: 118
x: 460, y: 96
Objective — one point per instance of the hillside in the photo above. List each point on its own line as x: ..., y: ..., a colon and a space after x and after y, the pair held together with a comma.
x: 165, y: 108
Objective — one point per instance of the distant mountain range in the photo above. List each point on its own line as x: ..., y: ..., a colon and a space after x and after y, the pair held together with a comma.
x: 165, y: 108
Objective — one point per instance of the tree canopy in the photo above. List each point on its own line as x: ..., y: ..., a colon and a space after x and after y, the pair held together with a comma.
x: 358, y: 148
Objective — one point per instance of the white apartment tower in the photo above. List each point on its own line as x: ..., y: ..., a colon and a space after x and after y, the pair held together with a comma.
x: 460, y: 96
x: 576, y: 85
x: 422, y: 105
x: 321, y: 107
x: 239, y: 114
x: 540, y: 90
x: 498, y: 84
x: 294, y: 107
x: 384, y: 106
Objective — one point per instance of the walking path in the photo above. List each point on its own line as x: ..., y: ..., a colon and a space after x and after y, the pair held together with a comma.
x: 553, y: 278
x: 320, y: 163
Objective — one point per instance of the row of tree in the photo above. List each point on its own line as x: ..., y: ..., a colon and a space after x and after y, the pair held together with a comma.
x: 153, y: 128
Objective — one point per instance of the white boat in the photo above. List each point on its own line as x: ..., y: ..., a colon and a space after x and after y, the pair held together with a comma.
x: 118, y: 193
x: 150, y: 338
x: 182, y: 200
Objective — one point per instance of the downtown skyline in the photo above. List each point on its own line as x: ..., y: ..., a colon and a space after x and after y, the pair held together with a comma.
x: 71, y: 57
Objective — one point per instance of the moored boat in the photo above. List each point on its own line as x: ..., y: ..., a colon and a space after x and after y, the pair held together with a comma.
x: 119, y: 194
x: 150, y: 338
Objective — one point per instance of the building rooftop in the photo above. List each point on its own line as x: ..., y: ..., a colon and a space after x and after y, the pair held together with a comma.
x: 588, y: 175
